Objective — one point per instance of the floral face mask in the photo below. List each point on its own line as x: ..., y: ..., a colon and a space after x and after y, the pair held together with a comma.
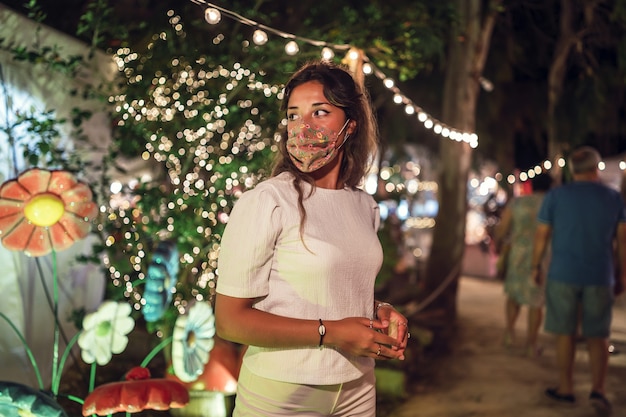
x: 310, y: 147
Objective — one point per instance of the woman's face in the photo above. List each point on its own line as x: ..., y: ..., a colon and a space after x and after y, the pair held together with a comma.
x: 307, y: 104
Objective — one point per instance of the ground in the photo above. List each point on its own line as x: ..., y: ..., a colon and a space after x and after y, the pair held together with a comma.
x: 480, y: 377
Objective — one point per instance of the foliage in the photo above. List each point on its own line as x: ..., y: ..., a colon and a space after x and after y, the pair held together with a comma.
x: 513, y: 116
x: 36, y: 134
x: 206, y: 125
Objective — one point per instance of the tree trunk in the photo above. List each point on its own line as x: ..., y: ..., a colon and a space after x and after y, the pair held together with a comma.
x: 466, y: 58
x: 573, y: 24
x: 556, y: 77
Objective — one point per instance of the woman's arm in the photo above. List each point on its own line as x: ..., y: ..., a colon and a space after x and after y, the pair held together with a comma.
x: 238, y: 321
x: 543, y: 235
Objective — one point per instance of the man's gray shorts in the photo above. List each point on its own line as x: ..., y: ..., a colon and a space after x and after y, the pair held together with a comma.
x: 569, y: 304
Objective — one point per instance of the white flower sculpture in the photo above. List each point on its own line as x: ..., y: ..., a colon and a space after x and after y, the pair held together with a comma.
x: 104, y: 332
x: 193, y: 340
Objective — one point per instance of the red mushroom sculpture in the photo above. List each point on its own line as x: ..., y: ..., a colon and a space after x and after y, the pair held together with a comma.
x: 137, y: 393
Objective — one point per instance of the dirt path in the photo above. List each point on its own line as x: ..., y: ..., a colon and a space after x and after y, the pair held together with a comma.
x: 482, y: 378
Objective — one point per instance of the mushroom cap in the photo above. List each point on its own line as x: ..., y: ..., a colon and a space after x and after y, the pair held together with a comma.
x: 137, y: 393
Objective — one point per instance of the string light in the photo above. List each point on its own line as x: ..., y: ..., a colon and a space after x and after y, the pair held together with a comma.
x: 212, y: 15
x: 327, y: 53
x: 259, y: 37
x: 545, y: 167
x: 368, y: 68
x: 292, y: 48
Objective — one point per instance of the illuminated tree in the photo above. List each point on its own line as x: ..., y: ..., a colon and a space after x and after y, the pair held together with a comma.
x: 206, y: 126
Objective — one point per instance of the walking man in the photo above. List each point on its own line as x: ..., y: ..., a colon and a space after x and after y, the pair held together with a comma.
x: 582, y: 221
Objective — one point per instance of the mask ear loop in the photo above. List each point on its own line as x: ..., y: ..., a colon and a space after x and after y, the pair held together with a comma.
x: 345, y: 138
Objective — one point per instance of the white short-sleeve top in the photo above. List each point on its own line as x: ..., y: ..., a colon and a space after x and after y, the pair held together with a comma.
x: 262, y: 257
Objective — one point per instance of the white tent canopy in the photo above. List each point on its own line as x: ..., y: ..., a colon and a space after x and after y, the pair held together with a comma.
x: 29, y: 88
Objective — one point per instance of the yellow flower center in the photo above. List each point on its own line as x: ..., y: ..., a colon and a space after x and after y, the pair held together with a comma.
x: 44, y: 209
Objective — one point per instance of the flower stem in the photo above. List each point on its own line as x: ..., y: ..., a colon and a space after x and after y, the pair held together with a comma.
x: 92, y: 377
x: 66, y: 353
x: 28, y: 351
x: 74, y: 398
x: 155, y: 350
x: 55, y: 289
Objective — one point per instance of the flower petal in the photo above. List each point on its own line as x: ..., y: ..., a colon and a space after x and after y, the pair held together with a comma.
x: 39, y: 244
x: 18, y: 237
x: 106, y: 310
x: 79, y: 200
x: 76, y: 228
x: 61, y: 182
x: 61, y: 239
x: 86, y: 339
x: 118, y: 343
x: 10, y: 214
x: 79, y: 192
x: 35, y: 180
x: 87, y: 356
x: 85, y: 210
x: 14, y: 191
x: 123, y: 325
x: 101, y: 351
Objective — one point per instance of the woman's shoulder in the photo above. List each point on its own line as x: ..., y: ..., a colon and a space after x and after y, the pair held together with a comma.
x: 365, y: 196
x: 281, y: 183
x: 273, y: 188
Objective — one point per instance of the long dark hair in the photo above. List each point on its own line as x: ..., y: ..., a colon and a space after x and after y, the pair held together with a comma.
x: 341, y: 90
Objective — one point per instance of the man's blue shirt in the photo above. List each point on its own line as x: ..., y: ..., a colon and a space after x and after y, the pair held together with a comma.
x: 584, y: 216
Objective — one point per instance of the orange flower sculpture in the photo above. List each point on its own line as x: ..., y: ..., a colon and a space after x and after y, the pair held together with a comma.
x: 43, y: 210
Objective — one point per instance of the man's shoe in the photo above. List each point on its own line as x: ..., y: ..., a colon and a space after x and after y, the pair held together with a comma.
x: 553, y: 394
x: 600, y: 404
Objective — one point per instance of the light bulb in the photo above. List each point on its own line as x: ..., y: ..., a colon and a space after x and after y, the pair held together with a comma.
x: 327, y: 54
x: 292, y: 48
x: 212, y: 15
x: 367, y: 68
x: 259, y: 37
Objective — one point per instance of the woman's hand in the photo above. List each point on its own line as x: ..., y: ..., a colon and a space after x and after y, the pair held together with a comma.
x: 359, y: 336
x: 394, y: 324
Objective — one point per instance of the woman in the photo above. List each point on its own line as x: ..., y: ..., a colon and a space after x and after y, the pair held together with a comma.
x: 517, y: 226
x: 298, y: 261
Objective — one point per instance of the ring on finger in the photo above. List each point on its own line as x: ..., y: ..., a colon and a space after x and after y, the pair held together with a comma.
x: 379, y: 347
x: 371, y: 323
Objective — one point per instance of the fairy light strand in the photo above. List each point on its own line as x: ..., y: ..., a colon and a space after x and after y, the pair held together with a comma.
x: 291, y: 48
